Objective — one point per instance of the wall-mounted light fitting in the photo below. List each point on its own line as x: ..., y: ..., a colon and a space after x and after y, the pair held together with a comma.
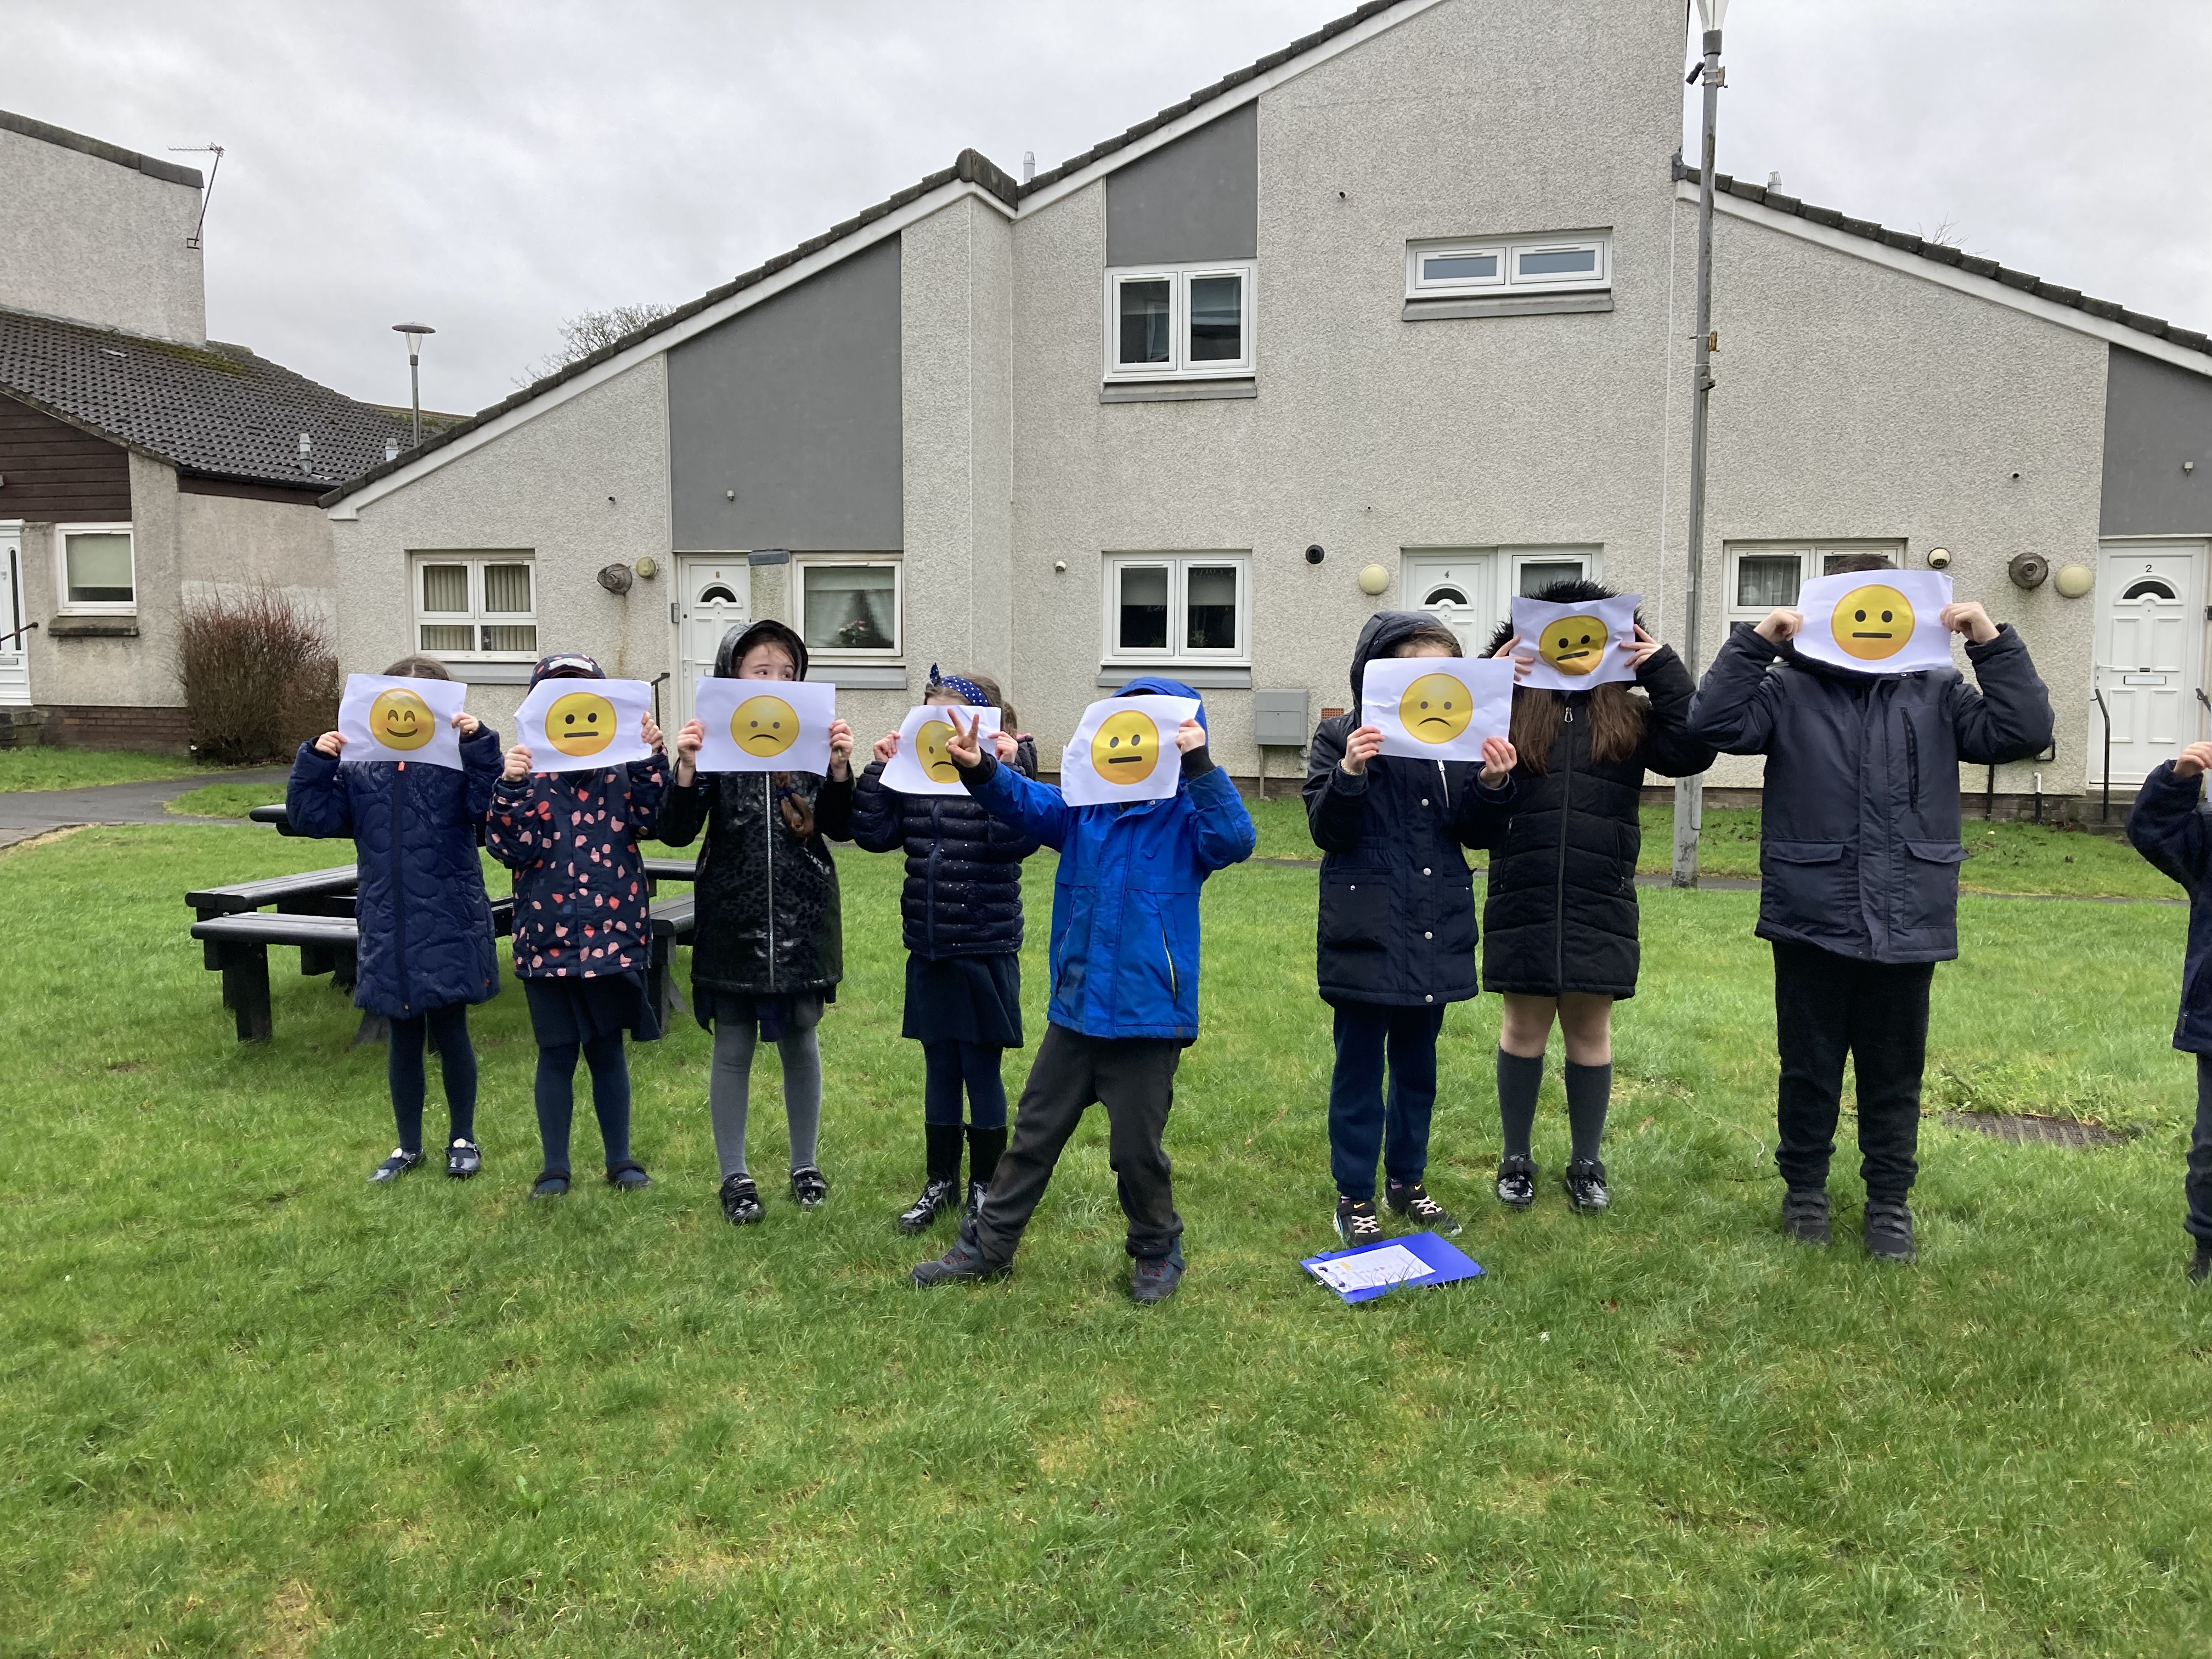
x: 1373, y: 579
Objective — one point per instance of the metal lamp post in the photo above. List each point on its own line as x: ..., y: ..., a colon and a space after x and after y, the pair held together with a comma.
x: 415, y: 331
x: 1690, y: 793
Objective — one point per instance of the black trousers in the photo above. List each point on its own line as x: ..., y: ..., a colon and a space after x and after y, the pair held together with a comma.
x: 2198, y: 1185
x: 1134, y: 1078
x: 1825, y: 1006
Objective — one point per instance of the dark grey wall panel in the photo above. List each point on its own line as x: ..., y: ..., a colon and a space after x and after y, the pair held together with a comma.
x: 794, y: 405
x: 2156, y: 416
x: 1197, y: 198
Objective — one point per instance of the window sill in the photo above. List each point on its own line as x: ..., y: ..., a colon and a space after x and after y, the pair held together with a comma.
x: 1210, y: 678
x: 1516, y: 304
x: 92, y: 627
x: 1177, y: 392
x: 858, y: 675
x: 490, y: 673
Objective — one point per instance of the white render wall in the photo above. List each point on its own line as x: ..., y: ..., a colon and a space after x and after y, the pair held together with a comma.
x: 95, y: 241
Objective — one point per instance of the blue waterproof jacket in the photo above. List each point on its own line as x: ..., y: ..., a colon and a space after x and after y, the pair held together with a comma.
x: 426, y: 932
x: 2171, y: 827
x: 1125, y: 902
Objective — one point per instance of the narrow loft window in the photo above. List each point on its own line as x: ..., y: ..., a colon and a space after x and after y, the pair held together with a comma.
x: 1169, y: 325
x: 1542, y: 264
x: 1509, y: 265
x: 1455, y: 270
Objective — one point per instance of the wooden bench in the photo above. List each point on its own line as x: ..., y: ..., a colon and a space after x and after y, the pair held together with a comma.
x: 671, y: 922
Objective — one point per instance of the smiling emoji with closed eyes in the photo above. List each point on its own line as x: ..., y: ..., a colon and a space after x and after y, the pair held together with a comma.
x: 400, y: 719
x: 1872, y: 622
x: 1125, y: 747
x: 1573, y: 645
x: 764, y: 726
x: 1435, y: 708
x: 581, y: 723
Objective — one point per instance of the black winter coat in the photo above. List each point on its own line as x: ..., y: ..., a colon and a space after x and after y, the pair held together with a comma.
x: 1397, y: 900
x: 1561, y: 915
x: 2171, y: 827
x: 768, y: 922
x: 1858, y: 849
x: 964, y: 868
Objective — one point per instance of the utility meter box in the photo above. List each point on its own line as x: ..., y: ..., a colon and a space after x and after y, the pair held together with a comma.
x: 1279, y: 720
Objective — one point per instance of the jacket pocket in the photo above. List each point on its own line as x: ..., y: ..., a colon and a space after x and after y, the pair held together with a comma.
x: 1810, y: 889
x: 1355, y: 911
x: 1931, y: 895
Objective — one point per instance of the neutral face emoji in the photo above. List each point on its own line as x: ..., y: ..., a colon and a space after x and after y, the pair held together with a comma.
x: 1872, y: 622
x: 1125, y: 747
x: 930, y: 752
x: 400, y: 719
x: 764, y: 726
x: 581, y: 723
x: 1573, y: 645
x: 1436, y: 709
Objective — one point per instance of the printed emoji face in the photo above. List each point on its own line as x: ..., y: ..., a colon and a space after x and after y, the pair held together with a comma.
x: 1573, y: 645
x: 929, y: 752
x: 1872, y: 622
x: 1125, y: 747
x: 1436, y: 709
x: 764, y: 726
x: 581, y: 723
x: 400, y: 719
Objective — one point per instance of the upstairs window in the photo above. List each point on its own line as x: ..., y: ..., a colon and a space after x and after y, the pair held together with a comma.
x: 1509, y: 265
x: 476, y: 605
x: 1181, y: 322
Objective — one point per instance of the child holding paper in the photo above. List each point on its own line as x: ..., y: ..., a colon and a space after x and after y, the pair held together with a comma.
x: 582, y: 931
x: 426, y: 949
x: 769, y: 947
x: 1859, y: 857
x: 1560, y: 920
x: 1397, y: 929
x: 962, y: 917
x: 1125, y: 943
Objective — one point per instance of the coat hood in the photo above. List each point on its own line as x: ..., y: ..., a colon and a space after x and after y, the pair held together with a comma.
x: 1577, y: 592
x: 1380, y: 635
x: 1158, y: 685
x: 739, y: 641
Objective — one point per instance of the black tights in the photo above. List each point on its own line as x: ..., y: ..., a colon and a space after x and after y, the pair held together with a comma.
x: 448, y: 1031
x: 557, y: 1097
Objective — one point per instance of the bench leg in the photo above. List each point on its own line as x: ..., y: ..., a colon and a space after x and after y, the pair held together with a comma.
x: 345, y: 966
x: 245, y: 990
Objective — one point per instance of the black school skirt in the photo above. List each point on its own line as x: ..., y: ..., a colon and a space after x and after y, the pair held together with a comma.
x: 965, y: 999
x: 566, y: 1009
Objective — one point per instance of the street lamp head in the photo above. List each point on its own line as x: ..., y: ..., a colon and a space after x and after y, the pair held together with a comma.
x: 1710, y: 12
x: 415, y: 333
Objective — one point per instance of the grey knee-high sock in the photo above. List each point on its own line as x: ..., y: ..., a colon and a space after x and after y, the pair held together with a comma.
x: 1589, y: 1089
x: 729, y: 1085
x: 1519, y: 1077
x: 802, y: 1094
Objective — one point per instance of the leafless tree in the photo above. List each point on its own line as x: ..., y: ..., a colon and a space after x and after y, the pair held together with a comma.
x: 587, y: 330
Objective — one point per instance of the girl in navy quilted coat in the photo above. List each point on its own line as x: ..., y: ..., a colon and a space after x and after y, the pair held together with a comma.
x: 962, y: 909
x: 582, y: 933
x: 426, y: 949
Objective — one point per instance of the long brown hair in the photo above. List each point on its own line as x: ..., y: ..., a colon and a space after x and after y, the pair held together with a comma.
x: 1616, y: 718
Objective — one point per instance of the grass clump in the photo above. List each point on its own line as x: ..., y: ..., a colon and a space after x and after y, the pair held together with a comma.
x: 84, y: 768
x: 228, y: 800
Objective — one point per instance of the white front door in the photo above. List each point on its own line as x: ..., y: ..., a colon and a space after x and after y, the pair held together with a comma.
x: 715, y: 594
x: 2150, y: 655
x: 14, y: 645
x: 1459, y: 590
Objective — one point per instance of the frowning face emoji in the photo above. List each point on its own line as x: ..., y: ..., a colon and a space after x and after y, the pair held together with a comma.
x: 931, y: 755
x: 581, y: 723
x: 1436, y: 709
x: 764, y: 726
x: 400, y: 719
x: 1125, y: 747
x: 1573, y: 645
x: 1872, y: 622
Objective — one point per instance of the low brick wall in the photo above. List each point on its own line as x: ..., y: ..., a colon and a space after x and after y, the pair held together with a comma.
x: 99, y: 725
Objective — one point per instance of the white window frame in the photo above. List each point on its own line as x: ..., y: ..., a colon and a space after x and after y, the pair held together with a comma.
x: 66, y: 606
x: 895, y: 562
x: 1812, y: 561
x: 1180, y: 366
x: 475, y: 619
x: 1178, y: 563
x: 1509, y: 251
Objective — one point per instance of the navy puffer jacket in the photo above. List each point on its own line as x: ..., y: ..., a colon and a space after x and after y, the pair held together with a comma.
x: 425, y: 931
x: 2171, y: 827
x: 964, y: 868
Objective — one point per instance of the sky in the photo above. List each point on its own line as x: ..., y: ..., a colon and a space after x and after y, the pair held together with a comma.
x: 491, y: 168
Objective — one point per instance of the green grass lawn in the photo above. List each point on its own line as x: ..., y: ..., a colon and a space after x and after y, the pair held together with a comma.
x: 81, y: 768
x: 226, y: 800
x: 254, y: 1405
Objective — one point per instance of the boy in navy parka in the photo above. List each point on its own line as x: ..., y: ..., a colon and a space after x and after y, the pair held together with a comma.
x: 1125, y: 946
x: 2170, y: 826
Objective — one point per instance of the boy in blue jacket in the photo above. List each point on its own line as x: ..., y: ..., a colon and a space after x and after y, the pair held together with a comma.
x: 1125, y: 937
x: 2170, y: 827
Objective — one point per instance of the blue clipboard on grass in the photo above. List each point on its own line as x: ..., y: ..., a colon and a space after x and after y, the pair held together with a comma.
x: 1368, y: 1271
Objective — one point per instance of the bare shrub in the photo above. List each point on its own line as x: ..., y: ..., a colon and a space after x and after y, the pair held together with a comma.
x: 259, y: 672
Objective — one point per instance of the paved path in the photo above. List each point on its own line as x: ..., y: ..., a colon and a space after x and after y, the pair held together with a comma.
x: 27, y: 812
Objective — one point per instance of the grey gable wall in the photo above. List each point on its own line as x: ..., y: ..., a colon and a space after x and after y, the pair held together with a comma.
x: 1197, y: 198
x: 795, y: 406
x: 2156, y: 416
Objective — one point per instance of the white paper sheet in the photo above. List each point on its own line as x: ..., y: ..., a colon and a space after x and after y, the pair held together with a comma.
x: 1576, y: 646
x: 1124, y: 749
x: 764, y: 726
x: 584, y: 725
x: 1876, y: 622
x: 1438, y: 708
x: 382, y: 718
x: 922, y: 767
x: 1394, y: 1264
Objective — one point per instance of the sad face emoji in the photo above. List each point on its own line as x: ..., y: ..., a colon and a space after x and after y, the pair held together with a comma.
x: 1573, y: 645
x: 930, y: 754
x: 400, y: 719
x: 764, y: 726
x: 581, y: 723
x: 1436, y: 709
x: 1125, y: 747
x: 1871, y: 623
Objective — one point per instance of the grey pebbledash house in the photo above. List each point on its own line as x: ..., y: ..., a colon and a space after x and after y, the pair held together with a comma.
x: 1396, y: 316
x: 141, y: 463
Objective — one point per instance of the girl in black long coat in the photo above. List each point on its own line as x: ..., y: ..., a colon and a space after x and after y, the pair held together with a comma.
x: 1559, y: 926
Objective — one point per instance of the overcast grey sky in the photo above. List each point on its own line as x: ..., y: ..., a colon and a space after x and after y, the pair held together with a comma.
x: 490, y: 166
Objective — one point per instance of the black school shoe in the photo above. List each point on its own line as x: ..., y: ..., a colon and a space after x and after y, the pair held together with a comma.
x: 1586, y: 1189
x: 809, y: 1187
x: 1805, y: 1215
x: 550, y: 1184
x: 628, y: 1176
x: 963, y: 1264
x: 397, y: 1165
x: 1154, y: 1278
x: 1412, y: 1203
x: 1888, y: 1231
x: 2200, y: 1266
x: 1516, y: 1180
x: 1356, y: 1222
x: 462, y: 1159
x: 939, y: 1195
x: 741, y: 1205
